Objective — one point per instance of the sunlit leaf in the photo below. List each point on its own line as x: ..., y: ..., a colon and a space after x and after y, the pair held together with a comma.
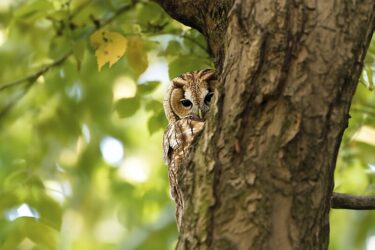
x: 173, y: 48
x: 33, y: 10
x: 29, y: 228
x: 137, y: 56
x: 109, y: 47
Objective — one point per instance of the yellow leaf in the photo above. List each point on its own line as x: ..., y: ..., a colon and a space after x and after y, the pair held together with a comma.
x: 109, y: 47
x: 137, y: 56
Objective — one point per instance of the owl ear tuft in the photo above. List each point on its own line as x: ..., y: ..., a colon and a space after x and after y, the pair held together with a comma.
x: 179, y: 82
x: 208, y: 74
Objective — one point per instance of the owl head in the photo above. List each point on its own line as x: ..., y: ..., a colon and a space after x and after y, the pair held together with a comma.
x: 190, y: 95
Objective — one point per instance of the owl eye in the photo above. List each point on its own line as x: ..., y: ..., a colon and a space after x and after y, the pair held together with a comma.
x: 186, y: 103
x: 208, y: 97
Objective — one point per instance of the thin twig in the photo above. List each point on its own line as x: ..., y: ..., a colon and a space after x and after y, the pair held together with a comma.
x: 34, y: 76
x: 30, y: 80
x: 355, y: 202
x: 117, y: 13
x: 13, y: 101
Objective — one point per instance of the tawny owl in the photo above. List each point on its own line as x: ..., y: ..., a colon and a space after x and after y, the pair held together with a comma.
x: 186, y: 103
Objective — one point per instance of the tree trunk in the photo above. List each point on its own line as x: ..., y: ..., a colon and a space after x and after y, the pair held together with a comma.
x: 261, y: 176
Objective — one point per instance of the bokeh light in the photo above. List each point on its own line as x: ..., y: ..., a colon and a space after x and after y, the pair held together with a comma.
x: 112, y: 150
x: 135, y: 169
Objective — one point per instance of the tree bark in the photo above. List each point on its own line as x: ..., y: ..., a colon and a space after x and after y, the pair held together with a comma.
x: 261, y: 176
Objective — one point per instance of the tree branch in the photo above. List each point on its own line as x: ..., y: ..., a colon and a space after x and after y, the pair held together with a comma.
x: 34, y: 76
x: 355, y: 202
x: 30, y: 80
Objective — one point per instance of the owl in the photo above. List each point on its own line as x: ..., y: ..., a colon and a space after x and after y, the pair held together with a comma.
x: 186, y: 104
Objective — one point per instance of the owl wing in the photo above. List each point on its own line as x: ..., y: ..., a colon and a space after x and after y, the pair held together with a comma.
x: 178, y: 137
x: 177, y: 141
x: 167, y: 143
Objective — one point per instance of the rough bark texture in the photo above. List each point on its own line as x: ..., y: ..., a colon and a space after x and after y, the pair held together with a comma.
x: 262, y: 174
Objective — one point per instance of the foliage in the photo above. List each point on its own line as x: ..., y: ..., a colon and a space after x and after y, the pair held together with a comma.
x: 58, y: 126
x: 355, y: 170
x: 109, y: 47
x: 80, y: 151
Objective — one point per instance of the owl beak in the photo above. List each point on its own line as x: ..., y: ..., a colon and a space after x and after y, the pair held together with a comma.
x: 197, y: 115
x: 200, y: 114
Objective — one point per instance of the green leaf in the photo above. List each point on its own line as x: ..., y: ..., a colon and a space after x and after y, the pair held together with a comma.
x: 79, y: 52
x: 137, y: 55
x: 81, y: 33
x: 41, y: 233
x: 156, y: 122
x: 25, y: 227
x: 127, y: 107
x: 33, y: 10
x: 149, y: 13
x: 173, y: 48
x: 60, y: 15
x: 186, y: 64
x: 194, y: 39
x: 148, y: 87
x: 58, y: 46
x: 370, y: 76
x: 154, y: 106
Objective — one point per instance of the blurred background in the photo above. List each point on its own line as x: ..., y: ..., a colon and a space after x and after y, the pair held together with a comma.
x: 81, y: 123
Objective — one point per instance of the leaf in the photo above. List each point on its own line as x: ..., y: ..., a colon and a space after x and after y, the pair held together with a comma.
x: 25, y: 227
x: 149, y: 13
x: 137, y: 56
x: 194, y: 39
x: 127, y: 107
x: 33, y: 10
x: 79, y: 52
x: 156, y: 122
x: 81, y: 33
x: 370, y: 75
x: 186, y: 64
x: 154, y: 105
x: 148, y: 87
x: 109, y: 47
x: 41, y: 233
x: 173, y: 48
x: 58, y: 46
x: 38, y: 232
